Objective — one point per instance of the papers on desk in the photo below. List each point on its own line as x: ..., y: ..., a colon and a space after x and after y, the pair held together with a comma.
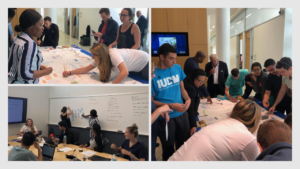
x: 66, y: 149
x: 41, y: 144
x: 88, y: 153
x: 19, y: 137
x: 10, y: 147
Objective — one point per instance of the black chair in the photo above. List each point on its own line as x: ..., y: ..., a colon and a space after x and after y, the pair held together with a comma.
x: 39, y: 133
x: 75, y: 133
x: 104, y: 142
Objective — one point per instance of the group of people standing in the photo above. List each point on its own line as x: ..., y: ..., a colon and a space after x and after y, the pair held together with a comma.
x: 176, y: 95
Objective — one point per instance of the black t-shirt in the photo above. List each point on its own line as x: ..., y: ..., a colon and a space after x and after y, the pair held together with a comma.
x: 274, y: 83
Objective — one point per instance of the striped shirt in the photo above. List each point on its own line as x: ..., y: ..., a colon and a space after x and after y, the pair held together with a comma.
x: 24, y: 58
x: 91, y: 123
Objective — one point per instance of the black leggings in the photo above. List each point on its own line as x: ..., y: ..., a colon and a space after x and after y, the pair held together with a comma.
x: 178, y: 133
x: 144, y: 73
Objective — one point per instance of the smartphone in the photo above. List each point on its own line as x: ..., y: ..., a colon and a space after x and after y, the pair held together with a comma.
x: 93, y: 31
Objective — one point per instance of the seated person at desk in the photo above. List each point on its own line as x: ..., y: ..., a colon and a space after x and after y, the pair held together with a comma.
x: 95, y: 142
x: 274, y: 138
x: 192, y: 83
x: 28, y: 126
x: 65, y: 131
x: 234, y: 83
x: 22, y: 153
x: 51, y: 34
x: 131, y: 147
x: 120, y: 60
x: 227, y: 140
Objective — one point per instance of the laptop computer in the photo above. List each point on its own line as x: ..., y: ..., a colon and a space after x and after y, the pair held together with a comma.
x: 49, y: 140
x: 48, y: 152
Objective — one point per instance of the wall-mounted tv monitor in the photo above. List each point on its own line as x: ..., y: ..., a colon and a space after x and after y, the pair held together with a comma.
x: 177, y: 39
x: 17, y: 110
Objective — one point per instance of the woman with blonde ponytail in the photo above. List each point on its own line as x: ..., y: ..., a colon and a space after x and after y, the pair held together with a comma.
x: 132, y: 149
x: 120, y: 60
x: 227, y: 140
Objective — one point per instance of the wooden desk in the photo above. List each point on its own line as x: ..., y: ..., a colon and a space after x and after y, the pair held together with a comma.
x: 60, y: 156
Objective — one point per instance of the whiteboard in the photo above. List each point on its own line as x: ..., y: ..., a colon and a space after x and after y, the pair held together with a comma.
x: 115, y: 111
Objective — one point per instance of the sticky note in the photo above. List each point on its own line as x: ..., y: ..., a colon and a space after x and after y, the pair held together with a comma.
x: 78, y: 75
x: 54, y: 75
x: 75, y: 59
x: 44, y: 81
x: 48, y: 77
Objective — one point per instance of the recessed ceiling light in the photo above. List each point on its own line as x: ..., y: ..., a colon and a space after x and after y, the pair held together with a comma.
x: 210, y: 30
x: 213, y: 26
x: 232, y: 27
x: 238, y: 22
x: 248, y: 15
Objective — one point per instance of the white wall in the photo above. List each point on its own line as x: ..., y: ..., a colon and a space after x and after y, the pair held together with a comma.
x: 287, y: 44
x: 268, y: 40
x: 89, y: 16
x: 37, y: 107
x: 114, y: 13
x: 233, y: 50
x: 52, y: 13
x: 144, y: 12
x: 61, y: 19
x: 70, y: 91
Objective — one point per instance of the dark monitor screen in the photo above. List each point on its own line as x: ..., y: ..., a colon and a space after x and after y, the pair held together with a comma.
x: 178, y: 40
x: 48, y: 150
x: 17, y: 110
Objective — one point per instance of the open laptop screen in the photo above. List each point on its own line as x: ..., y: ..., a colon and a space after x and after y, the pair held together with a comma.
x: 48, y: 151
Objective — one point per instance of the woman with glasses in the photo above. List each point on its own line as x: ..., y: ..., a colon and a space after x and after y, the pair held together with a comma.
x: 118, y: 60
x: 192, y: 83
x: 128, y: 33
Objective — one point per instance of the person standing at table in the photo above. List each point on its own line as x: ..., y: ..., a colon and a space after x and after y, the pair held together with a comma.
x: 22, y: 153
x: 95, y: 142
x: 227, y: 140
x: 191, y: 64
x: 217, y: 73
x: 108, y: 29
x: 274, y: 139
x: 235, y: 83
x: 51, y: 34
x: 192, y: 84
x: 168, y: 88
x: 24, y: 61
x: 129, y: 34
x: 93, y: 119
x: 119, y: 60
x: 142, y: 23
x: 29, y: 126
x: 274, y: 83
x: 66, y: 116
x: 132, y: 149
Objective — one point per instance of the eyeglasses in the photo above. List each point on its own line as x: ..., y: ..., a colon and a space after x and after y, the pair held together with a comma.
x: 200, y: 81
x: 271, y: 70
x: 123, y: 15
x: 256, y: 70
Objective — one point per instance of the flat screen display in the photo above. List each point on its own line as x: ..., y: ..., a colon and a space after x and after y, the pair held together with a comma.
x: 17, y: 110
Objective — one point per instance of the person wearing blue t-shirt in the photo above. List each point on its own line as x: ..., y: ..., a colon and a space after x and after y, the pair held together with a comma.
x: 168, y: 88
x: 132, y: 149
x: 234, y: 83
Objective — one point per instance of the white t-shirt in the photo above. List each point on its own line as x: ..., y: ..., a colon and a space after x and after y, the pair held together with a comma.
x: 135, y: 60
x: 287, y: 81
x: 27, y: 128
x: 227, y: 140
x: 216, y: 74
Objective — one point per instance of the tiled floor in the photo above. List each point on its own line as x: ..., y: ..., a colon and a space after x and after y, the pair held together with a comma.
x: 65, y: 39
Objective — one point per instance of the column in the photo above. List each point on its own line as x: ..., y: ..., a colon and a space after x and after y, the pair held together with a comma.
x: 208, y: 38
x: 223, y: 34
x: 52, y: 13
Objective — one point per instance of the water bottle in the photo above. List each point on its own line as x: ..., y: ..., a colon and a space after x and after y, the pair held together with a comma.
x: 65, y: 141
x: 84, y: 158
x: 114, y: 158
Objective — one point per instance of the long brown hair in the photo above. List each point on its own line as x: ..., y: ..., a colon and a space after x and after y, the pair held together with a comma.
x: 248, y: 113
x: 32, y: 125
x: 104, y: 65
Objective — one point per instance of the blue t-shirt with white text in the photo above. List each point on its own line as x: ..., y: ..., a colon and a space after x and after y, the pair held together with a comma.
x: 166, y: 87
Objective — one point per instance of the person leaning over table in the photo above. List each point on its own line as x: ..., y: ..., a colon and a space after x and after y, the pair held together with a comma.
x: 122, y: 60
x: 51, y: 33
x: 95, y: 142
x: 24, y: 61
x: 129, y: 34
x: 131, y: 147
x: 28, y: 126
x: 227, y: 140
x: 22, y: 153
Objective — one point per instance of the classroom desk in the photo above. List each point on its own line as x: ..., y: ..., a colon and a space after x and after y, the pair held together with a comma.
x: 73, y: 58
x: 60, y: 156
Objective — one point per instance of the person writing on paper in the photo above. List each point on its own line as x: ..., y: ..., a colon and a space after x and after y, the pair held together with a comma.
x: 273, y: 86
x: 168, y: 88
x: 234, y: 83
x: 24, y: 61
x: 29, y: 126
x: 22, y: 153
x: 120, y: 60
x: 227, y: 140
x: 66, y: 116
x: 155, y: 113
x: 93, y: 119
x: 284, y: 66
x: 129, y: 34
x: 132, y: 149
x: 65, y: 131
x: 192, y: 83
x: 95, y: 142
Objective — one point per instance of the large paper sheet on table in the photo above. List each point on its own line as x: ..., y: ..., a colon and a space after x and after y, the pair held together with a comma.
x: 70, y: 59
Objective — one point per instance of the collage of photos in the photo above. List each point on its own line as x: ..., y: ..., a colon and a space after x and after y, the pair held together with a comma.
x: 194, y: 84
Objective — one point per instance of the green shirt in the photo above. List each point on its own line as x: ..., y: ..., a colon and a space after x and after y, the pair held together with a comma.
x: 236, y: 86
x: 19, y: 153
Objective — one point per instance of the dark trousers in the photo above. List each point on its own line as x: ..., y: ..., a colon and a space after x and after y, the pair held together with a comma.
x: 214, y: 90
x: 144, y: 73
x: 285, y: 105
x: 142, y: 38
x: 178, y: 133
